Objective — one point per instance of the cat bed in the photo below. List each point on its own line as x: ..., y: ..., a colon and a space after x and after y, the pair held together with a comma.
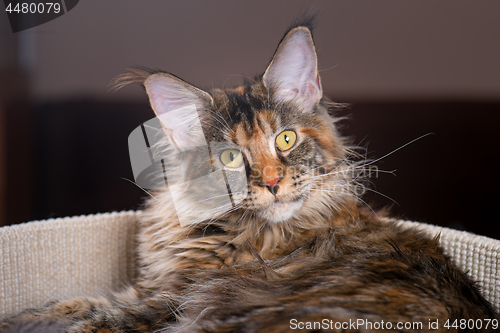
x: 89, y: 255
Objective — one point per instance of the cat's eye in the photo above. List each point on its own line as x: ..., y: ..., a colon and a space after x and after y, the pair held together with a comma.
x: 285, y: 140
x: 231, y: 158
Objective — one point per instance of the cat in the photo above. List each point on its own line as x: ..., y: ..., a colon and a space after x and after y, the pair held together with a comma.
x: 296, y: 250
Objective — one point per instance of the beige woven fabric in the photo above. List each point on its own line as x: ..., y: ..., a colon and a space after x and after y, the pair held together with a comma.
x: 89, y: 255
x: 60, y: 258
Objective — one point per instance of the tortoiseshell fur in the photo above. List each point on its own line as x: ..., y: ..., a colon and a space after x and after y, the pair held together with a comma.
x: 307, y: 252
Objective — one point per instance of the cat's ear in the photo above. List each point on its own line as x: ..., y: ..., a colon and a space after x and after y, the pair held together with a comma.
x: 292, y: 75
x: 179, y: 106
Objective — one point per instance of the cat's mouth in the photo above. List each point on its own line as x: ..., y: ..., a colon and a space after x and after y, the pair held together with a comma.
x: 281, y: 210
x: 282, y: 202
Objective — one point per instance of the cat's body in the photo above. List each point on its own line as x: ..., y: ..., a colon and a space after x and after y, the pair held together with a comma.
x: 298, y: 247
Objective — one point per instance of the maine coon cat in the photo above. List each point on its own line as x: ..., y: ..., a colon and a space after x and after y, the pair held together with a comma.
x: 298, y: 247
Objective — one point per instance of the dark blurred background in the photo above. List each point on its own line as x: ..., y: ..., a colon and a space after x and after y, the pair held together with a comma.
x: 407, y: 68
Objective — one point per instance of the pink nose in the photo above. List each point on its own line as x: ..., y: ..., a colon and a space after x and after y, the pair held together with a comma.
x: 272, y: 182
x: 272, y: 185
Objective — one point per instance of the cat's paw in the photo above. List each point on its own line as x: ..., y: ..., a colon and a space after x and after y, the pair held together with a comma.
x: 65, y: 325
x: 36, y: 326
x: 55, y: 317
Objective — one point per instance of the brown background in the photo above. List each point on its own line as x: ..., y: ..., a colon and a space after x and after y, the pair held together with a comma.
x: 408, y: 68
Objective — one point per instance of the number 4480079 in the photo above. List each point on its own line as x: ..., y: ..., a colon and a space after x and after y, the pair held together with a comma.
x: 34, y: 8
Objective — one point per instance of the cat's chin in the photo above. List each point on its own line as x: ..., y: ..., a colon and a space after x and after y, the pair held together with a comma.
x: 280, y: 211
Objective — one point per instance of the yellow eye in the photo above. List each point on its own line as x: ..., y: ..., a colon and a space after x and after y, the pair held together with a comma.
x: 285, y: 140
x: 231, y: 158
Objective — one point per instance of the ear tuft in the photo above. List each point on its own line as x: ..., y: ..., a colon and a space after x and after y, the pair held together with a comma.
x: 132, y: 75
x: 308, y: 19
x: 292, y: 75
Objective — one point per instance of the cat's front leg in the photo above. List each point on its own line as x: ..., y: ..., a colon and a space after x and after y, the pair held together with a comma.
x: 96, y: 315
x: 55, y: 316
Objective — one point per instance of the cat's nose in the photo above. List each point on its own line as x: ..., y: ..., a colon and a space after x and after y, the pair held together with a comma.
x: 272, y: 185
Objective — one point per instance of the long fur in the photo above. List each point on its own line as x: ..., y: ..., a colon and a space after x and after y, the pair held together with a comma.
x: 304, y: 249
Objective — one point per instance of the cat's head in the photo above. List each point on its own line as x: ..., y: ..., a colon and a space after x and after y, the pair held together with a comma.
x: 274, y: 134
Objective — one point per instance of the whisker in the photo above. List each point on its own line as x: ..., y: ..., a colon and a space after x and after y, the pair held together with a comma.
x: 218, y: 196
x: 381, y: 194
x: 395, y: 150
x: 139, y: 186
